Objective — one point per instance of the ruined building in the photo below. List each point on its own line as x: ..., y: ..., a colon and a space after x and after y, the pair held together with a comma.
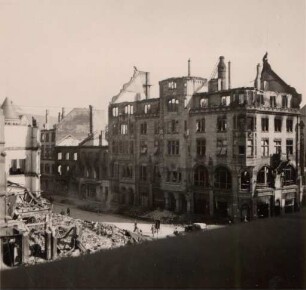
x: 74, y: 155
x: 204, y: 147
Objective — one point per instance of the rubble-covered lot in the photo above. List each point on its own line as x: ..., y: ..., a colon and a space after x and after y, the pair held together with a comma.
x: 92, y: 237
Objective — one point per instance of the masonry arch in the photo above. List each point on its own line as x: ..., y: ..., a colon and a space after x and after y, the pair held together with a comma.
x: 223, y: 178
x: 200, y: 176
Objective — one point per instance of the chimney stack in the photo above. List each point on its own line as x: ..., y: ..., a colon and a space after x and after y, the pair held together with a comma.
x: 63, y: 113
x: 90, y: 119
x: 147, y: 85
x: 47, y: 116
x: 222, y: 73
x: 257, y: 80
x: 189, y: 68
x: 229, y: 75
x: 59, y: 117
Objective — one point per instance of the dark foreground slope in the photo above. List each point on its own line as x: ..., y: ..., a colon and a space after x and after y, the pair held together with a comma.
x: 264, y: 253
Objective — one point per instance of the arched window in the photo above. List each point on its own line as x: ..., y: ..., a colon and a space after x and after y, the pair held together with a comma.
x: 203, y: 102
x: 147, y: 108
x: 245, y: 180
x: 201, y: 176
x: 129, y: 110
x: 223, y: 179
x: 289, y: 175
x: 265, y: 177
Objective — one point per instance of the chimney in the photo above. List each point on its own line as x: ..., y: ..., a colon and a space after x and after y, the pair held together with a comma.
x: 257, y: 79
x: 147, y: 85
x: 47, y: 116
x: 189, y: 67
x: 222, y: 73
x: 63, y: 113
x: 90, y: 119
x: 229, y: 75
x: 59, y: 117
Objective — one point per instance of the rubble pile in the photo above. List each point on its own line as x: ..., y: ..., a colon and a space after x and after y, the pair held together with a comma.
x: 76, y: 237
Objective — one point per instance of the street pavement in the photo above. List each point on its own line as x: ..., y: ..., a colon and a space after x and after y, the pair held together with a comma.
x: 267, y: 253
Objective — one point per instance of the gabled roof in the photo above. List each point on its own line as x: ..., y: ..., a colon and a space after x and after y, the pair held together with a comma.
x: 9, y: 110
x: 68, y: 140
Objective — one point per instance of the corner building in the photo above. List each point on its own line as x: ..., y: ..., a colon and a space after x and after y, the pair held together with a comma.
x: 205, y: 148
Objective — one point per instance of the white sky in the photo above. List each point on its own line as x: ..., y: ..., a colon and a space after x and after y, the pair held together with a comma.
x: 74, y: 53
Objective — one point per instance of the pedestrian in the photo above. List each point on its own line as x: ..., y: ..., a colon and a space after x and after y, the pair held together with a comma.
x: 135, y: 226
x: 153, y: 230
x: 157, y: 225
x: 68, y: 211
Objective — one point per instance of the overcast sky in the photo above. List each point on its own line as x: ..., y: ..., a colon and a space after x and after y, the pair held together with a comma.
x: 74, y: 53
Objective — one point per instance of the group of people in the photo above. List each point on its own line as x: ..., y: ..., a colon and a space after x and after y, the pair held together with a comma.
x: 154, y: 228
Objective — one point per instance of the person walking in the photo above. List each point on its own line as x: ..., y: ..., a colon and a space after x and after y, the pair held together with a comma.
x: 153, y: 230
x: 135, y: 227
x: 68, y: 211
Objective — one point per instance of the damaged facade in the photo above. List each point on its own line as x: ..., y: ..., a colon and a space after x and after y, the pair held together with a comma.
x: 203, y: 147
x: 75, y: 155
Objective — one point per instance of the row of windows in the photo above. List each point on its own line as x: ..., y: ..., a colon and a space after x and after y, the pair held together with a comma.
x: 123, y: 147
x: 129, y: 110
x: 241, y: 123
x: 67, y: 155
x: 249, y: 98
x: 248, y: 150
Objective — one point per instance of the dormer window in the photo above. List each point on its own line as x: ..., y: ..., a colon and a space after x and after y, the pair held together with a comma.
x: 203, y: 102
x: 284, y: 101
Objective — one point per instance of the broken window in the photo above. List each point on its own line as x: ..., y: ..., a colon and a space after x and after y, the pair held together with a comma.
x: 129, y: 109
x: 147, y: 108
x: 289, y: 146
x: 265, y: 177
x: 289, y: 125
x: 203, y: 102
x: 221, y: 123
x: 174, y: 175
x: 156, y: 147
x: 221, y: 147
x: 265, y: 147
x: 225, y: 100
x: 241, y: 150
x: 265, y: 124
x: 17, y: 166
x: 289, y: 175
x: 277, y: 124
x: 75, y: 156
x: 124, y: 129
x: 245, y: 180
x: 172, y: 85
x: 278, y: 146
x: 67, y: 156
x: 115, y: 111
x: 173, y: 105
x: 131, y: 147
x: 200, y: 125
x: 59, y: 156
x: 143, y: 147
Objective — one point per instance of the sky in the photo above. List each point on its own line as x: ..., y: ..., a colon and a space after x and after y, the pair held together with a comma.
x: 76, y: 53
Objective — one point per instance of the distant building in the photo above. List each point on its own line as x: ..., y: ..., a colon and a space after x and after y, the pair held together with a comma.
x: 22, y: 148
x: 80, y: 132
x: 203, y: 147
